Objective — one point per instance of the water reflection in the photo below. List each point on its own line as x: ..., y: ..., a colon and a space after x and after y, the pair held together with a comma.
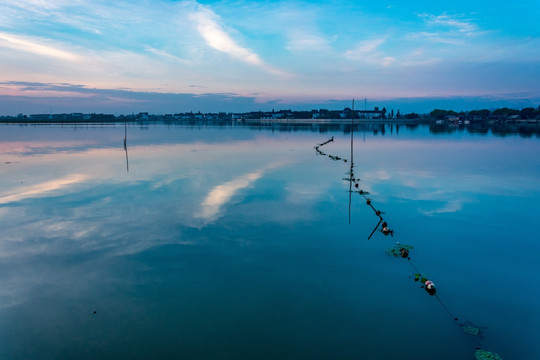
x: 221, y: 194
x: 403, y: 251
x: 233, y: 241
x: 125, y: 146
x: 380, y: 128
x: 42, y: 189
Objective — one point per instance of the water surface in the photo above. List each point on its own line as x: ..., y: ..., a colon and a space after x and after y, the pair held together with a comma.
x: 233, y: 242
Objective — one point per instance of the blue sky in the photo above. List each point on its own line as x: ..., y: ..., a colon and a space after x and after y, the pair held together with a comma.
x: 175, y: 56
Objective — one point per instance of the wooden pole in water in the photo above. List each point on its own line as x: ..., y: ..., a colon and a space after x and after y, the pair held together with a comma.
x: 352, y: 130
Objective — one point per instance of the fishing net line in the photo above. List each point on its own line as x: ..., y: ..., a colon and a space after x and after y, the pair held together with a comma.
x: 403, y: 250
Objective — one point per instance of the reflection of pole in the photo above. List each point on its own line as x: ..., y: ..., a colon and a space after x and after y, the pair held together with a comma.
x: 125, y: 145
x: 352, y: 161
x: 374, y: 229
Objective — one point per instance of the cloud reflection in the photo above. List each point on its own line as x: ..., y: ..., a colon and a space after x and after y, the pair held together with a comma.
x: 449, y: 206
x: 41, y: 188
x: 222, y: 194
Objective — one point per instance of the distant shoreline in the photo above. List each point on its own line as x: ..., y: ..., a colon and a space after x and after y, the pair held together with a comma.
x: 320, y: 116
x: 215, y: 121
x: 425, y: 121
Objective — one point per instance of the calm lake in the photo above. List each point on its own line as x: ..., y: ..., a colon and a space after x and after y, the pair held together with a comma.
x: 234, y: 242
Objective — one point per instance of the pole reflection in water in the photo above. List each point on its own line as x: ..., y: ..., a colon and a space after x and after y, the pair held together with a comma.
x: 125, y: 145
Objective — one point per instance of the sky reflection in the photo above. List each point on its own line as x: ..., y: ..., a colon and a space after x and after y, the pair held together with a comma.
x: 41, y: 189
x: 214, y: 232
x: 221, y: 194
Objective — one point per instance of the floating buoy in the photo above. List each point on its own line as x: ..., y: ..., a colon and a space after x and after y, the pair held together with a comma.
x: 430, y: 287
x: 404, y: 252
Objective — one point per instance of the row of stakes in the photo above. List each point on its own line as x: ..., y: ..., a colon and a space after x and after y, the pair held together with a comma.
x: 402, y: 250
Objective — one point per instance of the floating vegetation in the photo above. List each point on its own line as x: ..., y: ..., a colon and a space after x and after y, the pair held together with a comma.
x: 361, y: 192
x: 486, y: 355
x: 471, y: 330
x: 420, y: 277
x: 399, y: 250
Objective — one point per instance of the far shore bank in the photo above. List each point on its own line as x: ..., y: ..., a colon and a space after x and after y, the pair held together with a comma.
x: 240, y: 121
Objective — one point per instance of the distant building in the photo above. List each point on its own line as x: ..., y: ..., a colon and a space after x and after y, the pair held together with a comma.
x: 143, y: 116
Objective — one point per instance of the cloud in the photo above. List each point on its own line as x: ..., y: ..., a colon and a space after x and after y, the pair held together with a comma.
x: 35, y: 46
x: 446, y: 29
x: 368, y: 51
x: 165, y: 54
x: 307, y: 42
x: 217, y: 38
x: 250, y: 49
x: 366, y: 48
x: 207, y: 23
x: 34, y: 97
x: 434, y: 37
x: 450, y: 22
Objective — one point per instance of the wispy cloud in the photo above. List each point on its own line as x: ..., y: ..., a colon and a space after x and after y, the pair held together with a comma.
x: 165, y: 54
x: 435, y: 37
x: 463, y: 26
x: 366, y: 48
x: 36, y: 46
x: 250, y: 48
x: 305, y: 41
x: 33, y: 97
x: 209, y: 27
x: 369, y: 51
x: 446, y: 29
x: 40, y: 7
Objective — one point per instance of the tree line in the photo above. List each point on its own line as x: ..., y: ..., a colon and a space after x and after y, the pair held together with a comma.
x: 525, y: 113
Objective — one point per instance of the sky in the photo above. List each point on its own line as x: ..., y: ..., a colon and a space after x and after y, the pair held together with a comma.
x: 165, y: 56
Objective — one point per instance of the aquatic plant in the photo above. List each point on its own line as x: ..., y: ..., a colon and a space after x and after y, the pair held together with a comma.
x: 397, y: 250
x: 420, y: 277
x: 481, y: 354
x: 471, y: 330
